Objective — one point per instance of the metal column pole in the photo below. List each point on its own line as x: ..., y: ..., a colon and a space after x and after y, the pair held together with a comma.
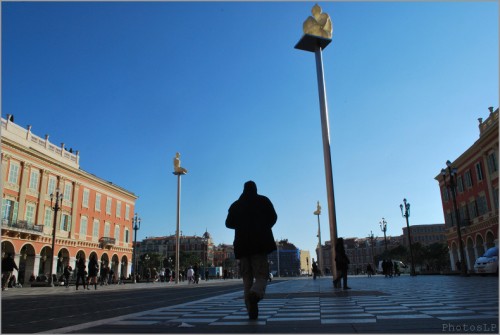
x: 177, y: 246
x: 320, y: 256
x: 327, y: 155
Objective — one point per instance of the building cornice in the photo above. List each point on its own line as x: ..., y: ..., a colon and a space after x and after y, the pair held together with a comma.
x: 57, y: 165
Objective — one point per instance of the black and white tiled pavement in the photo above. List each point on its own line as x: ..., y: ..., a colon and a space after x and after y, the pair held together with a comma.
x: 371, y: 301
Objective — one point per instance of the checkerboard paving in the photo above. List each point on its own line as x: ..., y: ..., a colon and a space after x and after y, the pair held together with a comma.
x: 317, y: 302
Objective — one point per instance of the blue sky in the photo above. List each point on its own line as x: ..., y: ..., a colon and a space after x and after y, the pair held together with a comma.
x: 130, y: 84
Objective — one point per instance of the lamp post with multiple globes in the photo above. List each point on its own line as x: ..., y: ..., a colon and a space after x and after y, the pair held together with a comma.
x: 56, y: 204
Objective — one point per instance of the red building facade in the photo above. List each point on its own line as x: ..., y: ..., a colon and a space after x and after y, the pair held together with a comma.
x: 95, y: 216
x: 476, y: 196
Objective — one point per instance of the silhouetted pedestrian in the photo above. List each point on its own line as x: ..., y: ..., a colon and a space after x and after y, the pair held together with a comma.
x: 8, y: 266
x: 369, y: 270
x: 341, y: 263
x: 252, y: 217
x: 67, y: 274
x: 93, y: 271
x: 315, y: 269
x: 80, y: 271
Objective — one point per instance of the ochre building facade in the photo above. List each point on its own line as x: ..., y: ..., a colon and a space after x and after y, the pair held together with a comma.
x: 95, y: 216
x: 476, y: 196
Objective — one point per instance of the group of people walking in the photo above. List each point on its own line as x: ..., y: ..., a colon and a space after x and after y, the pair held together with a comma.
x: 389, y: 268
x: 91, y: 274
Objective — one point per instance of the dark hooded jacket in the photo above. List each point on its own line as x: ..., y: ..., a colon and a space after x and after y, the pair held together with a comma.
x: 252, y: 216
x: 341, y: 259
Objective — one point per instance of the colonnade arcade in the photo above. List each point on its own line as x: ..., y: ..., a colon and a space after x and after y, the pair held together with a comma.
x: 30, y: 262
x: 474, y: 247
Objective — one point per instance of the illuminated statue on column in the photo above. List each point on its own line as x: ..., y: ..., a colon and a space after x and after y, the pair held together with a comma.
x: 319, y: 24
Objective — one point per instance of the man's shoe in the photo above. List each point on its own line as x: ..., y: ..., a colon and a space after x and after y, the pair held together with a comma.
x: 347, y: 288
x: 252, y: 306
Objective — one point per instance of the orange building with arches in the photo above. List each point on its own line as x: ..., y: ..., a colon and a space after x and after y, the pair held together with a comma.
x: 476, y: 180
x: 94, y: 218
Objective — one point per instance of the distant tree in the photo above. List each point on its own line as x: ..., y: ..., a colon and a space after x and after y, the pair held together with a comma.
x: 419, y: 253
x: 437, y: 257
x: 400, y: 253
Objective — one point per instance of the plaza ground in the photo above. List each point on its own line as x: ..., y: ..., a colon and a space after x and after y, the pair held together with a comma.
x: 422, y: 304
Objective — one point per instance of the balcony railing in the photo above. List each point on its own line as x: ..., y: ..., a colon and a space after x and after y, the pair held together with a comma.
x: 107, y: 242
x: 22, y: 226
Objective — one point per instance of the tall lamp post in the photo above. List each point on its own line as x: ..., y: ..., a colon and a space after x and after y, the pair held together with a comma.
x: 317, y: 212
x: 406, y: 214
x: 178, y: 171
x: 317, y: 35
x: 383, y: 227
x: 136, y: 221
x: 451, y: 184
x: 57, y: 201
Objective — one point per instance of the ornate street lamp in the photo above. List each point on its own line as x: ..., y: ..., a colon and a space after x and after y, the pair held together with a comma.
x: 452, y: 172
x: 136, y: 221
x: 56, y: 204
x: 320, y: 252
x: 383, y: 227
x: 406, y: 214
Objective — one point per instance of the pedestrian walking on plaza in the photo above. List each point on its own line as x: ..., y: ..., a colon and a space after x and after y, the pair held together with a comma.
x: 315, y: 269
x: 111, y: 276
x: 168, y: 277
x: 252, y: 217
x: 341, y: 263
x: 207, y: 273
x: 369, y: 270
x: 396, y: 270
x: 162, y: 275
x: 8, y: 266
x: 190, y: 275
x: 385, y: 268
x: 390, y: 267
x: 103, y: 275
x: 80, y: 271
x: 67, y: 274
x: 93, y: 270
x: 196, y: 270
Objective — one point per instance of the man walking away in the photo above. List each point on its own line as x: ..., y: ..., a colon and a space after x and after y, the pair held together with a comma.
x: 252, y: 216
